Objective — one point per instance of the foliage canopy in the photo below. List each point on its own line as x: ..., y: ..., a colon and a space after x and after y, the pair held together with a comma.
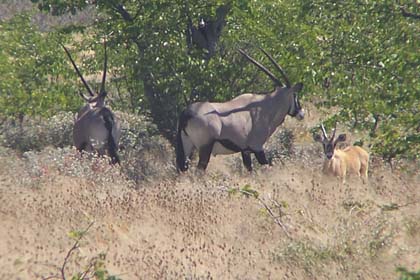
x: 358, y: 57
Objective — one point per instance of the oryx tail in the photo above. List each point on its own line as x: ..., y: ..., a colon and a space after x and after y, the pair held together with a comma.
x: 181, y: 159
x: 109, y: 125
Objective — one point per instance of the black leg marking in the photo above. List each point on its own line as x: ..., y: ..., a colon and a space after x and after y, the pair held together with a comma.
x: 204, y: 156
x: 261, y: 158
x: 112, y: 146
x: 114, y: 157
x: 82, y: 147
x: 246, y: 158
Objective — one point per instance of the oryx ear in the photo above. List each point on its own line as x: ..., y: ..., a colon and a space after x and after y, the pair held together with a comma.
x: 317, y: 138
x: 298, y: 87
x: 341, y: 138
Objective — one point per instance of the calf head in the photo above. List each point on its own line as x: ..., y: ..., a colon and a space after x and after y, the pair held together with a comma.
x: 329, y: 143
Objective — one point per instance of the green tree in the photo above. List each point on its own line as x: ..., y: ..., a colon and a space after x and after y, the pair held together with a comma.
x: 360, y: 58
x: 152, y: 57
x: 33, y: 76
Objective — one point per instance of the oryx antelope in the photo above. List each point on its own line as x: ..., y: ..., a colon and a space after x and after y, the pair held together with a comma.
x: 340, y: 163
x: 242, y: 124
x: 96, y: 128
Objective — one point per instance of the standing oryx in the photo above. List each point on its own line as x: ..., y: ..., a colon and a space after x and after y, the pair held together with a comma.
x: 96, y: 128
x: 242, y: 124
x: 339, y: 163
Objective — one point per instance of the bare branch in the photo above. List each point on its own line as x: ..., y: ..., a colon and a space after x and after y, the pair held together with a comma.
x: 275, y: 218
x: 72, y: 249
x: 88, y: 269
x: 270, y: 211
x: 123, y: 12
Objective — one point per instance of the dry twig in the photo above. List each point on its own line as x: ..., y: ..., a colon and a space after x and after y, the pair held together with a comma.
x: 75, y: 246
x: 269, y: 210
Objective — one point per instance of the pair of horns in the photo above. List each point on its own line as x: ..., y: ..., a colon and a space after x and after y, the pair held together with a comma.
x: 325, y: 133
x: 102, y: 89
x: 265, y: 70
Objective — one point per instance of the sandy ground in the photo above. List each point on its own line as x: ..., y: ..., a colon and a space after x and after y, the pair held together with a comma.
x: 197, y: 227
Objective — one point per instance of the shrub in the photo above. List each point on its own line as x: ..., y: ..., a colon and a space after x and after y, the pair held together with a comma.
x: 408, y: 275
x: 46, y: 144
x: 37, y: 133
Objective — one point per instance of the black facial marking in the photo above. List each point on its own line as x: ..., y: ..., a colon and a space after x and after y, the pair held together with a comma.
x: 329, y: 149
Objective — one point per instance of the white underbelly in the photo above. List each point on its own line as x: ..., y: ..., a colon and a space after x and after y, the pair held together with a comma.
x: 219, y: 149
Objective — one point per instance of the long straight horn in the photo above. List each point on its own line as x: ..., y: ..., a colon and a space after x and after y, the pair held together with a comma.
x: 259, y: 65
x: 104, y: 74
x: 323, y: 131
x: 282, y: 72
x: 77, y: 71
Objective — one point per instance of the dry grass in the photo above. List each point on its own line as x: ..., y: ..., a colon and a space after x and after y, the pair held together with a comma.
x: 156, y: 224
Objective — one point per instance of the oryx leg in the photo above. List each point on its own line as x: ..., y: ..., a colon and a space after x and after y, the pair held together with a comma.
x: 246, y: 159
x: 262, y: 159
x: 82, y: 147
x: 204, y: 155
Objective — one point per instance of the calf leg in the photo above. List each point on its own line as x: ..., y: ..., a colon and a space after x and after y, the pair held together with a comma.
x: 204, y: 156
x: 246, y: 159
x: 364, y: 172
x: 261, y: 158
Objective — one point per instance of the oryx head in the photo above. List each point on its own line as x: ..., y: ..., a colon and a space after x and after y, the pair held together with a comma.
x: 295, y: 110
x: 329, y: 143
x: 94, y: 100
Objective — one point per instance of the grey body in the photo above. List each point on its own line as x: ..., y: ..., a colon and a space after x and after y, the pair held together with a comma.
x: 96, y: 128
x: 242, y: 124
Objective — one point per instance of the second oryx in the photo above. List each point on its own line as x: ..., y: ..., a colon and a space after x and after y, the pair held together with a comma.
x: 96, y: 128
x: 243, y: 124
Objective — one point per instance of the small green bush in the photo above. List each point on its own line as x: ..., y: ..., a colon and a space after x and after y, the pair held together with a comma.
x: 408, y: 275
x: 34, y: 134
x: 46, y: 143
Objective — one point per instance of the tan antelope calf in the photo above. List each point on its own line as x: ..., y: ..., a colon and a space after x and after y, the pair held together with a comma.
x: 340, y: 163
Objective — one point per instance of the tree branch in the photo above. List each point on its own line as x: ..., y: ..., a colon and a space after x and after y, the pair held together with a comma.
x: 123, y: 12
x: 72, y: 249
x: 408, y: 14
x: 270, y: 211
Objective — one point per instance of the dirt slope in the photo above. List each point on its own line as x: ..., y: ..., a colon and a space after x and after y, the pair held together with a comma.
x: 197, y: 227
